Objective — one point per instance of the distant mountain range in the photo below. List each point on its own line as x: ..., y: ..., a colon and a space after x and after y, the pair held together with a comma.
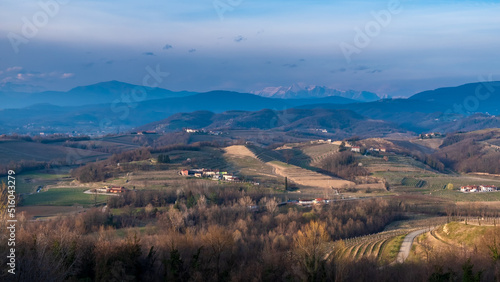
x: 111, y: 91
x: 297, y: 91
x: 109, y: 110
x: 129, y: 113
x: 100, y: 93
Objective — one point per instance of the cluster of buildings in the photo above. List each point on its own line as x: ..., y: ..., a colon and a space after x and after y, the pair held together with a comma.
x: 145, y: 132
x: 478, y: 188
x: 209, y: 173
x: 357, y: 149
x: 377, y: 150
x: 431, y: 135
x: 190, y: 130
x: 112, y: 189
x: 321, y: 141
x: 310, y: 202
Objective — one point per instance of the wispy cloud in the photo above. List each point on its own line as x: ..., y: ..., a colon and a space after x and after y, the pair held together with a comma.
x: 13, y: 69
x: 239, y: 38
x: 19, y: 75
x: 166, y: 47
x: 192, y: 50
x: 149, y: 54
x: 339, y: 70
x: 67, y: 75
x: 290, y: 65
x: 360, y: 68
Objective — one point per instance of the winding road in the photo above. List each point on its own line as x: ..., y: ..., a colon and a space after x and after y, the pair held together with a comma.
x: 405, y: 249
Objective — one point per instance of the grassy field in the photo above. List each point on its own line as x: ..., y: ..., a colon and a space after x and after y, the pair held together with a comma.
x: 390, y: 249
x: 62, y: 197
x: 29, y: 182
x: 432, y: 183
x: 451, y: 236
x: 458, y: 196
x: 459, y: 233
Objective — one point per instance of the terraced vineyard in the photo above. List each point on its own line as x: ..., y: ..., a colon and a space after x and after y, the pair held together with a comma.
x: 298, y: 158
x: 266, y: 155
x: 370, y: 246
x: 317, y: 153
x: 413, y: 182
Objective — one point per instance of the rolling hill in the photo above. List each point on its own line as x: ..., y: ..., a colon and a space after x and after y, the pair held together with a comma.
x: 336, y: 123
x: 470, y: 98
x: 126, y: 114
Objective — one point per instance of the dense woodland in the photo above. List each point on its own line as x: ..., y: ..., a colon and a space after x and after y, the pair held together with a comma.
x: 214, y: 236
x: 343, y: 165
x: 467, y: 152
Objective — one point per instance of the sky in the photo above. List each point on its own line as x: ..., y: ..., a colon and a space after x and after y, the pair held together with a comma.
x: 389, y: 47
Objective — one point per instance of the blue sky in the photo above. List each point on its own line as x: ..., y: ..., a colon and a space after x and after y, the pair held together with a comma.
x: 425, y: 45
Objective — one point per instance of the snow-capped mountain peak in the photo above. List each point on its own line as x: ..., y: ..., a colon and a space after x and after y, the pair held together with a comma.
x: 301, y: 91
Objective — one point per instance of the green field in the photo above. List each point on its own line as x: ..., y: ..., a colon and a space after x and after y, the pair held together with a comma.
x: 413, y: 182
x: 467, y: 197
x: 426, y: 182
x: 62, y: 197
x: 28, y: 182
x: 390, y: 249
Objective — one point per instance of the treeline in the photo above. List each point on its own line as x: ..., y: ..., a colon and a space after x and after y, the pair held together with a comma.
x: 213, y: 194
x: 431, y: 161
x: 45, y: 139
x: 196, y: 146
x: 101, y: 170
x: 343, y: 165
x: 94, y: 146
x: 176, y: 147
x: 26, y: 165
